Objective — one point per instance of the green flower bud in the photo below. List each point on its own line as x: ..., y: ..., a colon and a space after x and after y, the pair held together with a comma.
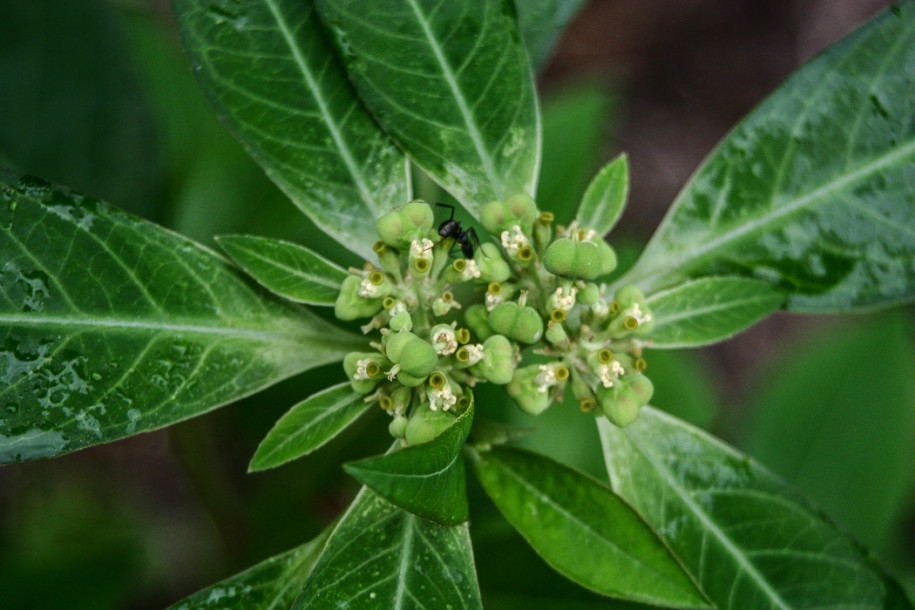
x: 401, y: 322
x: 395, y: 343
x: 398, y: 228
x: 350, y: 305
x: 364, y: 370
x: 641, y: 386
x: 398, y: 426
x: 476, y: 318
x: 411, y: 381
x: 425, y: 424
x: 607, y: 257
x: 577, y: 260
x: 619, y: 405
x: 498, y: 216
x: 589, y: 295
x: 523, y: 389
x: 443, y: 339
x: 417, y: 358
x: 556, y: 334
x: 387, y: 258
x: 493, y: 268
x: 629, y: 295
x: 496, y: 366
x: 522, y: 324
x: 543, y: 230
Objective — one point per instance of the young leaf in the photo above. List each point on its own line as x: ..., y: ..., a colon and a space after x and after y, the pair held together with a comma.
x: 269, y: 69
x: 605, y: 199
x: 427, y: 479
x: 708, y: 310
x: 812, y: 191
x: 583, y: 530
x: 112, y: 326
x: 380, y: 556
x: 287, y: 269
x: 541, y: 23
x: 308, y: 426
x: 749, y: 539
x: 451, y: 83
x: 838, y: 409
x: 270, y: 585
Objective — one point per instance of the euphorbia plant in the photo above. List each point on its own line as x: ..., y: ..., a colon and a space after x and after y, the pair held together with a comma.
x: 114, y: 326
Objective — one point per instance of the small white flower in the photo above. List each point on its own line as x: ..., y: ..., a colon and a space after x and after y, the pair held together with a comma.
x: 636, y: 312
x: 546, y: 378
x: 492, y: 300
x: 443, y: 398
x: 471, y: 271
x: 369, y: 290
x: 445, y: 342
x: 563, y: 299
x: 421, y: 248
x: 610, y: 372
x: 513, y: 240
x: 474, y: 353
x: 361, y: 373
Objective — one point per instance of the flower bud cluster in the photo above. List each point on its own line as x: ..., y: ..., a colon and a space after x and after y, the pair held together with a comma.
x: 523, y: 312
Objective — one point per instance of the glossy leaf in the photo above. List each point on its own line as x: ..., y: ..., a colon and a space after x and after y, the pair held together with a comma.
x: 605, y: 199
x: 270, y: 71
x: 427, y: 479
x: 541, y: 23
x: 112, y: 326
x: 812, y: 191
x: 708, y: 310
x: 838, y: 409
x: 750, y: 540
x: 583, y: 530
x: 308, y: 426
x: 450, y: 83
x: 287, y: 269
x: 380, y: 556
x: 270, y: 585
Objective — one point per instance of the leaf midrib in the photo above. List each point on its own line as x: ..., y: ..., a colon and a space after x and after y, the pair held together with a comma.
x: 321, y: 103
x: 663, y: 264
x: 462, y: 105
x: 745, y: 563
x: 191, y: 327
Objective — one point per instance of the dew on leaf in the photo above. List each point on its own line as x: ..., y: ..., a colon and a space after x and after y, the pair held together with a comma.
x: 31, y: 444
x: 134, y: 416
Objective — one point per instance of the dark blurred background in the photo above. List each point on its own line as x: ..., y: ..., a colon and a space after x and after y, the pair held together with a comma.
x: 97, y: 95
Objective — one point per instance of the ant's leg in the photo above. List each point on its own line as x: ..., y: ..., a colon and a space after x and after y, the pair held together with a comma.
x: 450, y: 207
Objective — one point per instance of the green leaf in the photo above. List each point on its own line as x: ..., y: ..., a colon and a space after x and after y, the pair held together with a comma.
x: 541, y: 23
x: 112, y: 326
x: 269, y: 69
x: 708, y: 310
x: 287, y: 269
x: 812, y: 191
x: 605, y: 199
x: 583, y: 530
x: 450, y: 83
x: 427, y: 479
x: 380, y: 556
x: 750, y: 540
x: 837, y: 409
x: 487, y: 432
x: 71, y: 114
x: 270, y: 585
x: 308, y: 426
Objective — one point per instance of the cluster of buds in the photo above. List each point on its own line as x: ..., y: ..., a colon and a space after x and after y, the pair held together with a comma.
x: 523, y: 312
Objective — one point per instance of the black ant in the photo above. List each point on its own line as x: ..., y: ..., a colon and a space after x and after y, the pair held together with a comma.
x: 452, y: 228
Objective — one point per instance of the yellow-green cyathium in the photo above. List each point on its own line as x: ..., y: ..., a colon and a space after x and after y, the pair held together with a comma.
x: 528, y: 312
